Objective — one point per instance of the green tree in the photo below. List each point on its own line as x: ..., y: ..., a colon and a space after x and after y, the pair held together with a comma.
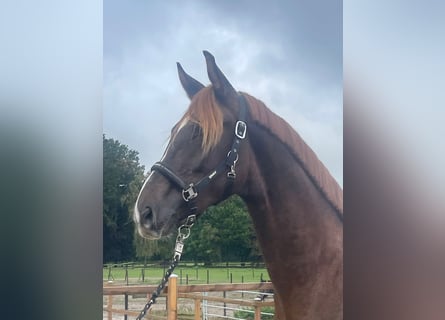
x: 235, y: 229
x: 223, y: 233
x: 203, y: 245
x: 154, y: 249
x: 122, y: 179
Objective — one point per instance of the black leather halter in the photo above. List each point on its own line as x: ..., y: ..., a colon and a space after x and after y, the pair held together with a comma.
x: 191, y: 191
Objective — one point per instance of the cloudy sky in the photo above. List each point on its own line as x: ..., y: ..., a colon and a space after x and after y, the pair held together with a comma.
x: 286, y: 53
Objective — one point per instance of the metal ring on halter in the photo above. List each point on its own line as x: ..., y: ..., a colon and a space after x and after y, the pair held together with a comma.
x: 183, y: 232
x: 240, y: 129
x: 189, y: 193
x: 191, y: 219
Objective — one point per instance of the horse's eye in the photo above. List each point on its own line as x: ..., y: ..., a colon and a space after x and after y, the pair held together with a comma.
x: 196, y: 132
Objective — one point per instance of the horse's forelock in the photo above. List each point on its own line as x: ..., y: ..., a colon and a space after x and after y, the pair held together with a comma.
x: 204, y: 111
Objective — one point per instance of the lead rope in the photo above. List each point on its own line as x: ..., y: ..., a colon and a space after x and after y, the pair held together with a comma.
x: 183, y: 234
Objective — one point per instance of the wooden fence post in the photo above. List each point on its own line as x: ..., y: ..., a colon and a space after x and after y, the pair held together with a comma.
x: 225, y: 304
x: 197, y: 309
x: 172, y: 297
x: 257, y: 313
x: 109, y: 307
x: 110, y: 275
x: 126, y: 305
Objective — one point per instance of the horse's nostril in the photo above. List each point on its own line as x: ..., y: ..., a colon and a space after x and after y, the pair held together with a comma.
x: 147, y: 216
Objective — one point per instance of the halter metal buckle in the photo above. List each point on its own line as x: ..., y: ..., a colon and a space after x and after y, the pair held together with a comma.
x: 240, y: 129
x: 232, y: 173
x: 189, y: 193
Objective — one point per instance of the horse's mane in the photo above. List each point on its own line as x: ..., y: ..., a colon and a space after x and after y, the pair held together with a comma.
x: 205, y: 111
x: 309, y: 161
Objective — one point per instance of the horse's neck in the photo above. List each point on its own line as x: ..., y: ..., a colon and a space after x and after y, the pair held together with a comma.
x: 279, y: 188
x: 297, y: 228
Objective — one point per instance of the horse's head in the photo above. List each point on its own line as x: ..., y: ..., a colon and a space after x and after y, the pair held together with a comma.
x: 207, y: 149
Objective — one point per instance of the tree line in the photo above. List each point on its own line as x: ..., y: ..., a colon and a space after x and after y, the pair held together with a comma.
x: 223, y: 233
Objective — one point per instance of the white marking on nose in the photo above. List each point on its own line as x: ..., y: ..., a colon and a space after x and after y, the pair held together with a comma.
x: 183, y: 123
x: 172, y: 138
x: 136, y: 213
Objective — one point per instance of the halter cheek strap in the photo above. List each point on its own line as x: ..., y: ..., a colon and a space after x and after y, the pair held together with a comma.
x: 191, y: 191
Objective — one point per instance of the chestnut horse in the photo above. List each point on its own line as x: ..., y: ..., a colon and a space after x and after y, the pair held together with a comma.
x: 230, y: 143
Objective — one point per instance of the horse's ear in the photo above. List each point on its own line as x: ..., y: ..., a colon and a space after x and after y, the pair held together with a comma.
x: 221, y: 86
x: 190, y: 85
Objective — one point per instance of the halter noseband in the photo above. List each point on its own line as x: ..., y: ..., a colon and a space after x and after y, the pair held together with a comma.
x: 190, y: 191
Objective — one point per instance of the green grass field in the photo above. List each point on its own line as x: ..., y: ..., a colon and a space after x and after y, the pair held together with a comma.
x: 192, y: 274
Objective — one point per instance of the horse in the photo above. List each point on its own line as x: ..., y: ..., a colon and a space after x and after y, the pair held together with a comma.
x: 229, y: 142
